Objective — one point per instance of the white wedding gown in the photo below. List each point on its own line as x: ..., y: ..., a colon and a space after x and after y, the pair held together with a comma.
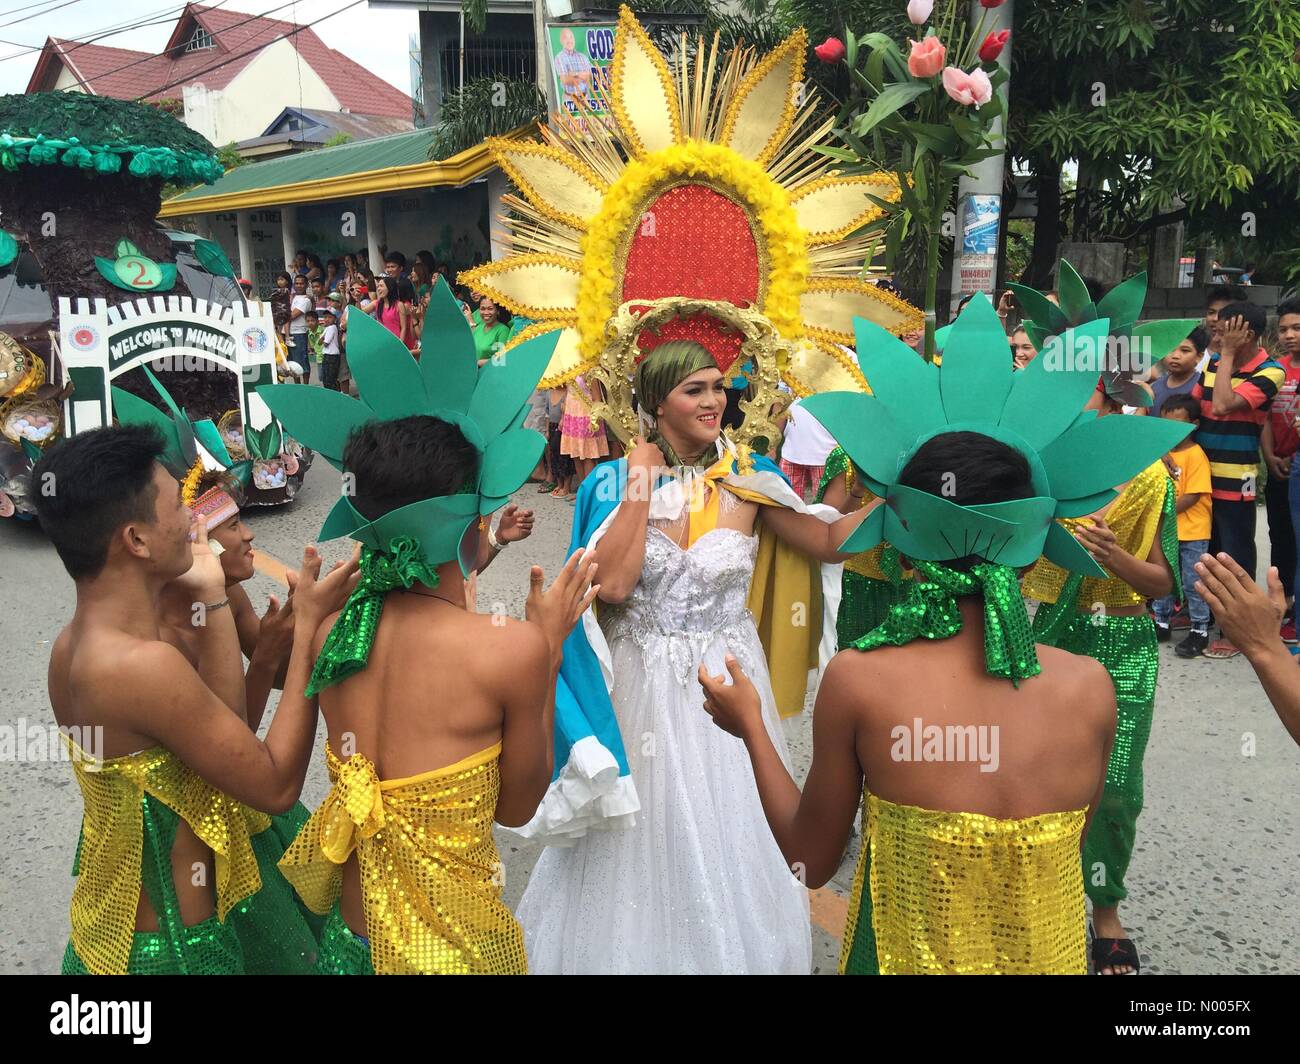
x: 698, y: 884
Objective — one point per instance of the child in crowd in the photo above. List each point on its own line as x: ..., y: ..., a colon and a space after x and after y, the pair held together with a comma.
x: 315, y: 343
x: 578, y: 440
x: 561, y: 464
x: 1180, y: 368
x: 329, y: 335
x: 1190, y: 469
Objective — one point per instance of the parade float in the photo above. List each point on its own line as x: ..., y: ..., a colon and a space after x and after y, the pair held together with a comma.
x: 93, y: 290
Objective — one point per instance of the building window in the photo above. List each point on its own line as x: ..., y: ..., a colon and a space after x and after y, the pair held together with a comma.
x: 201, y: 39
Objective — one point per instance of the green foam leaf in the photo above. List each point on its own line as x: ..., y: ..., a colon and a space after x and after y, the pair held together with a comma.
x: 1085, y: 504
x: 342, y: 520
x: 1153, y: 340
x: 870, y: 533
x: 932, y: 528
x: 900, y: 378
x: 132, y: 410
x: 210, y: 436
x: 507, y: 381
x: 976, y: 374
x: 508, y: 461
x: 8, y: 249
x: 1067, y: 552
x: 1106, y: 452
x: 1075, y: 301
x: 1123, y: 303
x: 320, y: 417
x: 1041, y: 311
x: 448, y: 358
x: 1047, y: 395
x: 212, y: 257
x: 388, y: 378
x: 864, y: 426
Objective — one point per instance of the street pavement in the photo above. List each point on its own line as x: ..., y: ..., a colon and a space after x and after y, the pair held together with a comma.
x: 1214, y: 876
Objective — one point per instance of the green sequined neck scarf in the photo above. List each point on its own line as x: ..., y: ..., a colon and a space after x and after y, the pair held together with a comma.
x: 347, y: 648
x: 929, y: 611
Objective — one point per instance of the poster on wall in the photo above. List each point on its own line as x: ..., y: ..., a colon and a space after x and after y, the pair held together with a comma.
x: 981, y: 218
x: 581, y: 58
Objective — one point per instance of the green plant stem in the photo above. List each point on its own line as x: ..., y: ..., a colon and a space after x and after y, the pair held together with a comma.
x: 932, y: 271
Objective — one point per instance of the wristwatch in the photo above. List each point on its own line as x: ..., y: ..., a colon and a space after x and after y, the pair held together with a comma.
x: 495, y: 543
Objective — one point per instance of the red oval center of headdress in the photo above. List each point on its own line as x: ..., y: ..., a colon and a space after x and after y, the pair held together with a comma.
x: 695, y: 242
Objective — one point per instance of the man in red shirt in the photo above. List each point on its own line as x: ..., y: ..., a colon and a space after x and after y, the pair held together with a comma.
x: 1235, y: 390
x: 1279, y: 443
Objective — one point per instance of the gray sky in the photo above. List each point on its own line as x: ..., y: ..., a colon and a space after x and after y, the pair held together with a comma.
x: 377, y: 39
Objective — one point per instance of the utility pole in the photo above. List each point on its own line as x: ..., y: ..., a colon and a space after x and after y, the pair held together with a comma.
x: 540, y: 48
x: 979, y: 197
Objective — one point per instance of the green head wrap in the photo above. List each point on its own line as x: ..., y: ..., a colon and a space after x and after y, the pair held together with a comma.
x: 662, y: 370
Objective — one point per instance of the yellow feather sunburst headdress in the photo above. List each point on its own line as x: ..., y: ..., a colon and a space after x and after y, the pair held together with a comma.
x: 703, y: 187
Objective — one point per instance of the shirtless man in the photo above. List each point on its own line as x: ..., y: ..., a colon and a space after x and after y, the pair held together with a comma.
x: 446, y: 727
x: 117, y: 520
x: 1042, y: 748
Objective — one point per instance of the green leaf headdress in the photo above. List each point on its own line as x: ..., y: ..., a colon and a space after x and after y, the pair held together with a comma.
x: 1132, y: 346
x: 179, y: 450
x: 180, y: 454
x: 1075, y: 459
x: 488, y: 406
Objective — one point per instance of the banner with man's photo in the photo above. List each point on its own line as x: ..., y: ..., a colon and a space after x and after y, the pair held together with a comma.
x: 581, y: 58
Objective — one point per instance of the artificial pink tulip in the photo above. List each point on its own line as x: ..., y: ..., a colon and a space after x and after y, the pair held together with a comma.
x: 926, y: 58
x: 973, y: 88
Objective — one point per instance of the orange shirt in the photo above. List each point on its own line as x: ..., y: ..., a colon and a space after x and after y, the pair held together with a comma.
x: 1193, y: 478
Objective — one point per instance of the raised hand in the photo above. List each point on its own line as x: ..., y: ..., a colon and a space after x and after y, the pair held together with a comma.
x: 1232, y: 341
x: 735, y: 707
x: 559, y: 607
x: 315, y: 597
x: 1248, y: 615
x: 205, y: 579
x: 1099, y: 540
x: 515, y: 524
x: 275, y: 631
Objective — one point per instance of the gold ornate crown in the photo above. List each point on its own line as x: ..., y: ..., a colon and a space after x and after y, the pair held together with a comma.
x: 703, y: 188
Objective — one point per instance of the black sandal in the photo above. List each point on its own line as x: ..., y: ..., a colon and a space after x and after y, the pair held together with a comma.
x: 1115, y: 953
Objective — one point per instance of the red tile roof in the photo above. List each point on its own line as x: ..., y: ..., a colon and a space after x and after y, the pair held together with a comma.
x: 129, y: 75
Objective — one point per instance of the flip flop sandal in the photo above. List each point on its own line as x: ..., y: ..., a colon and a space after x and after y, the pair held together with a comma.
x: 545, y: 487
x: 1115, y: 953
x: 1220, y: 650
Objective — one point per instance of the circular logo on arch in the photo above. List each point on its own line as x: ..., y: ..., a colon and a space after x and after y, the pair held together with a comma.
x: 84, y: 337
x: 255, y: 340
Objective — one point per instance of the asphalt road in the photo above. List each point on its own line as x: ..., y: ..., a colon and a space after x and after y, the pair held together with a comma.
x: 1214, y: 880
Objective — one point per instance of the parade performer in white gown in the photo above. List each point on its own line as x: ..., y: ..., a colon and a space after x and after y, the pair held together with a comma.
x: 665, y: 274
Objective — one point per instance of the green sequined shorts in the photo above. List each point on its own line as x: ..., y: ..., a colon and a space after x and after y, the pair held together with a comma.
x: 342, y: 952
x: 1127, y: 647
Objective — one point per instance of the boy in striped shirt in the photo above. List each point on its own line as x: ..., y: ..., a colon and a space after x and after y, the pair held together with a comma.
x: 1235, y: 392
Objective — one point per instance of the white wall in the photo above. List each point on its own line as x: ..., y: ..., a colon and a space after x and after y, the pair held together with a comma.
x: 259, y: 92
x: 67, y: 81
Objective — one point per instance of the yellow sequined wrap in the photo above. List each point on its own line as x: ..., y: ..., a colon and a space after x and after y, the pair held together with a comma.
x: 961, y: 893
x: 430, y: 873
x: 107, y: 894
x: 1134, y: 517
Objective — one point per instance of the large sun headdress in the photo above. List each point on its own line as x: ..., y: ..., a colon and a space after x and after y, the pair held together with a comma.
x: 1128, y: 349
x: 487, y: 405
x: 1075, y: 459
x: 705, y: 188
